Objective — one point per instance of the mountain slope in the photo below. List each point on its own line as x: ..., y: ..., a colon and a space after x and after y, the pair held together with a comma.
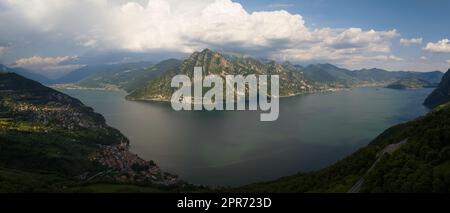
x: 441, y: 94
x: 433, y: 77
x: 86, y: 71
x: 410, y: 83
x: 291, y: 82
x: 44, y: 130
x: 128, y: 77
x: 330, y: 75
x: 410, y: 157
x: 47, y: 134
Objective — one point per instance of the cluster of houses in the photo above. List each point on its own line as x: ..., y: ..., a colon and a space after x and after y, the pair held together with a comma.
x: 130, y: 167
x: 63, y: 116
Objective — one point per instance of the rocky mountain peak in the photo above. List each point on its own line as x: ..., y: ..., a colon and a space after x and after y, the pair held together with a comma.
x: 441, y: 94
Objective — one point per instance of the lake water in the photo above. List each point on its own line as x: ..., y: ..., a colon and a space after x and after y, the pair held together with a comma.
x: 235, y: 147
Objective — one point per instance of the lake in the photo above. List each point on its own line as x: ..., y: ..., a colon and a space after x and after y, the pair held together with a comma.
x: 235, y: 147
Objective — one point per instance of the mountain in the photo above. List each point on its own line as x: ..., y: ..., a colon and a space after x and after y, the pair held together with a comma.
x: 441, y: 94
x: 82, y: 73
x: 139, y: 79
x: 291, y: 82
x: 433, y: 77
x: 289, y: 66
x: 295, y: 79
x: 28, y: 74
x: 409, y: 157
x: 128, y: 77
x: 410, y: 83
x: 328, y: 74
x: 50, y: 141
x: 383, y: 76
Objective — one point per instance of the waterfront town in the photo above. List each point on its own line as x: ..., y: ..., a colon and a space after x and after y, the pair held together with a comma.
x: 129, y: 167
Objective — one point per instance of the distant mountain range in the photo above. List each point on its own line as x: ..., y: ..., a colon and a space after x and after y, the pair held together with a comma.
x: 86, y: 71
x: 127, y: 76
x: 335, y: 76
x: 411, y: 83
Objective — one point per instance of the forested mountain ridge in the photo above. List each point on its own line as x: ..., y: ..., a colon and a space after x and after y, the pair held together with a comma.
x: 159, y: 89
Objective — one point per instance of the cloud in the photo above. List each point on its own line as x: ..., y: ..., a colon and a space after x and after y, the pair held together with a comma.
x: 448, y: 61
x: 280, y: 5
x: 49, y: 65
x: 341, y: 45
x: 442, y: 46
x: 184, y: 26
x: 43, y: 61
x: 391, y: 57
x: 408, y: 42
x: 376, y: 59
x: 3, y: 50
x: 226, y: 25
x: 219, y: 23
x: 89, y: 43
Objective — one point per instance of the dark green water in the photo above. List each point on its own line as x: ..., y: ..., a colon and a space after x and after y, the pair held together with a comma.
x: 234, y: 148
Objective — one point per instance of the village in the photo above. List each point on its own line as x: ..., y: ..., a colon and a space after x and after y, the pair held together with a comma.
x: 130, y: 168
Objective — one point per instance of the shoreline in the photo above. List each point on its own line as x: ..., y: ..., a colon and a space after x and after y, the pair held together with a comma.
x: 77, y: 87
x: 331, y: 90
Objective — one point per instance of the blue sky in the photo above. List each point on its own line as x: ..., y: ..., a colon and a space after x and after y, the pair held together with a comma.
x: 50, y: 36
x: 428, y: 19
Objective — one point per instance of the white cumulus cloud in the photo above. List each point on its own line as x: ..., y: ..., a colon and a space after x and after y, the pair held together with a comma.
x: 442, y: 46
x: 186, y: 26
x: 49, y: 65
x: 411, y: 41
x: 43, y: 61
